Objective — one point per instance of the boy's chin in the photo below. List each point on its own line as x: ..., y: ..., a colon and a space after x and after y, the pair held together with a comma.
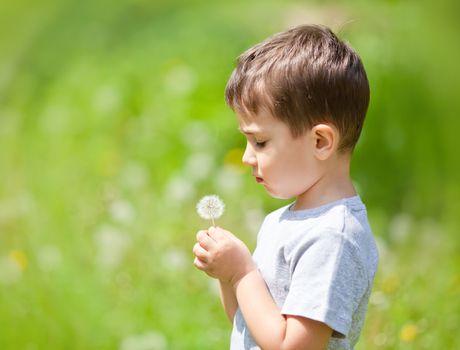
x: 278, y: 195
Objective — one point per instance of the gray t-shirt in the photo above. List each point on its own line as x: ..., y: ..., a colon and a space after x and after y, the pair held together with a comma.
x: 317, y: 263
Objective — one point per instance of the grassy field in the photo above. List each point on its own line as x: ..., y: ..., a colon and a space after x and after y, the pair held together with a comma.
x: 113, y: 125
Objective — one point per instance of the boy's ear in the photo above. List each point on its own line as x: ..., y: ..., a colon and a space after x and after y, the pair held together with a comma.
x: 326, y: 138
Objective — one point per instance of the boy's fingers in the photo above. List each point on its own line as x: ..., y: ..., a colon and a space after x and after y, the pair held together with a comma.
x: 200, y: 252
x: 201, y: 233
x: 205, y: 240
x: 200, y: 265
x: 217, y: 233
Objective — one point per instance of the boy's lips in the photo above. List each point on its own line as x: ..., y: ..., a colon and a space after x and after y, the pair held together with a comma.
x: 259, y: 179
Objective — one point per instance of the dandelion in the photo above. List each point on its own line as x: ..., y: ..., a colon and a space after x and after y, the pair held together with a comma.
x: 179, y: 190
x: 198, y: 166
x: 408, y: 332
x: 181, y: 80
x: 228, y: 179
x: 122, y: 211
x: 19, y: 259
x: 210, y: 208
x: 390, y: 284
x: 175, y: 259
x: 111, y: 246
x: 49, y: 257
x: 151, y: 340
x: 10, y: 271
x: 107, y: 98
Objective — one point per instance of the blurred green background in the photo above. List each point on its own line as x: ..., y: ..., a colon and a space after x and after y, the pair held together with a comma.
x: 113, y: 125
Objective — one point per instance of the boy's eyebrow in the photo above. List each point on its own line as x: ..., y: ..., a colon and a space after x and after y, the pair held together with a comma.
x: 248, y: 131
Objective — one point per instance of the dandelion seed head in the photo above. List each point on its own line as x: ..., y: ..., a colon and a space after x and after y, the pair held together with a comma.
x: 151, y: 340
x: 210, y: 207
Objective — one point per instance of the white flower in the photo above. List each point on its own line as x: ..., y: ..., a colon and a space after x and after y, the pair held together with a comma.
x: 400, y: 227
x: 111, y: 246
x: 10, y: 271
x: 198, y: 166
x: 197, y: 136
x: 210, y: 207
x: 175, y: 259
x: 181, y: 80
x: 49, y: 257
x: 151, y: 340
x: 122, y: 211
x: 134, y: 175
x: 179, y: 190
x: 379, y: 299
x: 107, y: 99
x: 228, y: 180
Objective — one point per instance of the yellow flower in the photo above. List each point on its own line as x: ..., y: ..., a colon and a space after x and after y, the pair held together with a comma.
x: 390, y: 284
x: 454, y: 287
x: 19, y: 258
x: 234, y: 159
x: 408, y: 332
x: 110, y: 163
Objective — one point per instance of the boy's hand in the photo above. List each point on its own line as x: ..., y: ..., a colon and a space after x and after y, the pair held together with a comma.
x: 221, y: 255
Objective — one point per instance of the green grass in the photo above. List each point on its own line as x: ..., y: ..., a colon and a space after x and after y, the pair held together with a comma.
x: 113, y: 125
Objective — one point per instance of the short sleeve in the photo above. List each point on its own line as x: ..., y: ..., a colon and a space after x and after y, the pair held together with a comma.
x: 327, y: 281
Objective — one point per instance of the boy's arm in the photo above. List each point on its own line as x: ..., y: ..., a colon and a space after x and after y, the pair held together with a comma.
x: 228, y: 299
x: 221, y: 255
x: 269, y: 328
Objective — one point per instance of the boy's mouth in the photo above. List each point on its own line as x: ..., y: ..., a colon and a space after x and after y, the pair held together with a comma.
x: 259, y: 179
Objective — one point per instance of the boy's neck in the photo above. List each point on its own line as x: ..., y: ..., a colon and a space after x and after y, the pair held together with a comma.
x: 334, y: 184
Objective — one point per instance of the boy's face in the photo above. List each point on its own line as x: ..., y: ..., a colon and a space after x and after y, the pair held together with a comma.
x: 285, y: 165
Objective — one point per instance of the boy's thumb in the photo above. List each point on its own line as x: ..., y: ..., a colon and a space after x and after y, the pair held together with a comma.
x: 216, y: 232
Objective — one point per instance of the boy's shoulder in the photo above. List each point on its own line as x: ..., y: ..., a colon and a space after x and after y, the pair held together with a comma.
x: 341, y: 225
x: 346, y: 217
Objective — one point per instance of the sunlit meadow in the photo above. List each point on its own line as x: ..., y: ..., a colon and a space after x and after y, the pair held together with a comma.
x: 113, y: 126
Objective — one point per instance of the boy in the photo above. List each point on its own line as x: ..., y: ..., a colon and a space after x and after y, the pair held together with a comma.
x: 300, y: 98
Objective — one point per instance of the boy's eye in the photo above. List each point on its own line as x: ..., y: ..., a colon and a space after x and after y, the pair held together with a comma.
x: 261, y: 144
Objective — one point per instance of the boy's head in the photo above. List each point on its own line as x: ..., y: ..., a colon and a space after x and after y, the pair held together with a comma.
x: 303, y: 77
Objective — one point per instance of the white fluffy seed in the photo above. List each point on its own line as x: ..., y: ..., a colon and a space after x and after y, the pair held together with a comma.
x: 210, y: 207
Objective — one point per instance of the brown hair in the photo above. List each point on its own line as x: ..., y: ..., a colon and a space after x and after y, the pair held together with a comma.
x: 303, y: 77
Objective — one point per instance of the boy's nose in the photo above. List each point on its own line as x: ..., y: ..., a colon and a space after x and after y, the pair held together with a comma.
x: 249, y: 157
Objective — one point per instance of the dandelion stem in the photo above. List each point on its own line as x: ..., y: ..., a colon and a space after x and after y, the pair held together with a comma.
x: 212, y: 219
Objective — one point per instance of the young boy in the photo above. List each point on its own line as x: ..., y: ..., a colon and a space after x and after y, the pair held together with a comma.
x: 300, y: 98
